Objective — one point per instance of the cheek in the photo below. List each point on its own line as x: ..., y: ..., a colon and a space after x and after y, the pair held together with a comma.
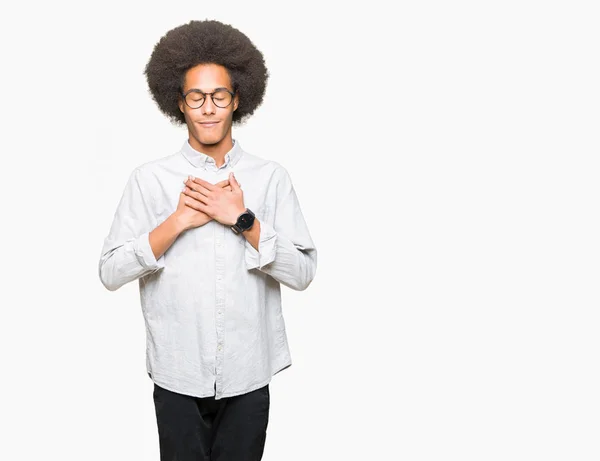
x: 227, y: 121
x: 186, y: 116
x: 229, y: 114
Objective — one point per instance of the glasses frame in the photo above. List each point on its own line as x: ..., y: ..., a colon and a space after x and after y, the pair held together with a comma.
x: 204, y: 95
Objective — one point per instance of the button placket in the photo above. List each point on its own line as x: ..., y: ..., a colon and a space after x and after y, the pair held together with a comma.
x: 219, y: 303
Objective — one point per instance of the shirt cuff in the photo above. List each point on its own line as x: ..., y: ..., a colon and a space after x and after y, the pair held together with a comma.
x: 267, y: 248
x: 145, y: 255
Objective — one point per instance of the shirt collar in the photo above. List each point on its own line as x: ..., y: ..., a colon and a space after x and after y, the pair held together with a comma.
x: 200, y: 159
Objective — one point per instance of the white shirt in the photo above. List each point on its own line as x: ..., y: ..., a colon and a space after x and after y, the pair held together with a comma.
x: 212, y: 302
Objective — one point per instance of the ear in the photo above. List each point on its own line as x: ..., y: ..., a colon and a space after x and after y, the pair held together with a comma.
x: 236, y: 101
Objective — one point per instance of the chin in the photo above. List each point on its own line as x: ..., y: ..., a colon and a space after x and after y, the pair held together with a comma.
x: 214, y: 139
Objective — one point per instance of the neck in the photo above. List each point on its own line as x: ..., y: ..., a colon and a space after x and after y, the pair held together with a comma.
x: 217, y: 150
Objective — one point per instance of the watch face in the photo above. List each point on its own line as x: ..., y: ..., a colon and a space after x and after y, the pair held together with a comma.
x: 245, y: 220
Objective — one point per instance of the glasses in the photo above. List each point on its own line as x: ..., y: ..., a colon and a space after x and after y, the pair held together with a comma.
x: 221, y: 97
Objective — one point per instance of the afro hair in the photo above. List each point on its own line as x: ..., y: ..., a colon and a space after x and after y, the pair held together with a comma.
x: 203, y: 42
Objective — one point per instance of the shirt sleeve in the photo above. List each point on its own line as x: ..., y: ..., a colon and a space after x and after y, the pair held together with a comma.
x: 126, y: 253
x: 286, y: 250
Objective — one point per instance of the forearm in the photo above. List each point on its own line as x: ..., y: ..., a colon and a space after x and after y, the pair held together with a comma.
x: 127, y: 261
x: 165, y: 234
x: 292, y: 264
x: 253, y: 234
x: 139, y: 256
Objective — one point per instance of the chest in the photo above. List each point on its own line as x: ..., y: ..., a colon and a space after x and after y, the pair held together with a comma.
x: 258, y: 191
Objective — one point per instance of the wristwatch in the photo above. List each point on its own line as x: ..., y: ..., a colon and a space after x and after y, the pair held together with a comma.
x: 244, y: 222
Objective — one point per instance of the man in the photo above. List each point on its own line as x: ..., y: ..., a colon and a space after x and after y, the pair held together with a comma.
x: 210, y: 256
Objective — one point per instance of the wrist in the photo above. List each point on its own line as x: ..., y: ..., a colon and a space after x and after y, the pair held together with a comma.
x: 243, y: 221
x: 177, y: 222
x: 236, y: 215
x: 253, y: 229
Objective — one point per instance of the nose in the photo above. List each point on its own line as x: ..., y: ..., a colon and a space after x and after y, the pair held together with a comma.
x: 209, y: 106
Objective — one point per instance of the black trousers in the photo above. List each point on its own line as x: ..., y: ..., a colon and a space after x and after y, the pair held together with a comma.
x: 204, y: 429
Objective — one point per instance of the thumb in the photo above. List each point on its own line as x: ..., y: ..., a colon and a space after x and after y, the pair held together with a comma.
x: 233, y: 181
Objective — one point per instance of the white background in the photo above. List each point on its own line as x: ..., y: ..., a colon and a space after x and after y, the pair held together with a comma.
x: 450, y: 184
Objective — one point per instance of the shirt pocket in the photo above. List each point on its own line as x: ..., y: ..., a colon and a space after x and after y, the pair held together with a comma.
x: 262, y: 213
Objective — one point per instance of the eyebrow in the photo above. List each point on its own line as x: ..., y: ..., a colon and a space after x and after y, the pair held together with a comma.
x: 215, y: 89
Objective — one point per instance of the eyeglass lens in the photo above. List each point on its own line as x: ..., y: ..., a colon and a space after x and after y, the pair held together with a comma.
x: 221, y: 98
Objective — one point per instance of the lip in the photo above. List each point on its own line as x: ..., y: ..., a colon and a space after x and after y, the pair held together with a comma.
x: 208, y: 124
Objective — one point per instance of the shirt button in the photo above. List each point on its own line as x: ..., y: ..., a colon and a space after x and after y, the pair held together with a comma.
x: 220, y: 347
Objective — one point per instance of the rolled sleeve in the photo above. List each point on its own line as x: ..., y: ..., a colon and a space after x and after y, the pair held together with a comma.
x: 145, y: 255
x: 267, y: 248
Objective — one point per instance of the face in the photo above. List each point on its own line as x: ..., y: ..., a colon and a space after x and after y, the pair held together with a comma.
x: 207, y: 78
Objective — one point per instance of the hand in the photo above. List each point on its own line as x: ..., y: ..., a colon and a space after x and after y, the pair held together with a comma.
x: 219, y: 203
x: 187, y: 215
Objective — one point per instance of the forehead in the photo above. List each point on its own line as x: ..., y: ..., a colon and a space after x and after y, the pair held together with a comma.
x: 207, y: 77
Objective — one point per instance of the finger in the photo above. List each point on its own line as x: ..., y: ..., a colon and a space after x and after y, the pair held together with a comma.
x: 197, y: 187
x: 204, y: 183
x: 223, y: 183
x: 195, y: 195
x: 195, y: 204
x: 233, y: 180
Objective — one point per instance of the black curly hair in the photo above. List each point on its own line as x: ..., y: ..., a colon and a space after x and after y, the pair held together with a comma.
x: 203, y: 42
